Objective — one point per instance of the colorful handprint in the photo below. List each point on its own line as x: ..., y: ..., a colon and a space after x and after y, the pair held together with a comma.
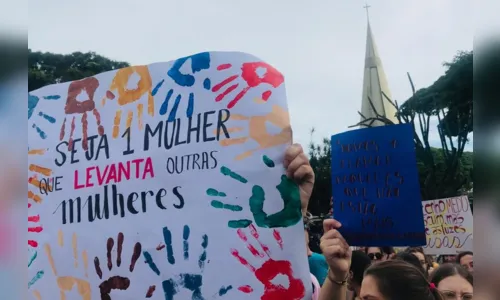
x: 190, y: 281
x: 269, y: 269
x: 37, y: 228
x: 199, y: 62
x: 35, y: 171
x: 38, y: 275
x: 81, y: 88
x: 253, y: 74
x: 290, y: 195
x: 258, y: 131
x: 127, y: 97
x: 116, y: 282
x: 33, y: 102
x: 68, y: 283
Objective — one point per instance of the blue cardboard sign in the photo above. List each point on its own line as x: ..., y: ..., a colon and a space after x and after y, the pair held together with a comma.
x: 376, y: 191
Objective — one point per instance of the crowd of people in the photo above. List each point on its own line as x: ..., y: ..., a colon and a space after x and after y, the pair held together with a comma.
x: 340, y: 272
x: 379, y: 273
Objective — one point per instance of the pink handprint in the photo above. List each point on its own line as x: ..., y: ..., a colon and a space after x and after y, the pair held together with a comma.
x: 254, y: 74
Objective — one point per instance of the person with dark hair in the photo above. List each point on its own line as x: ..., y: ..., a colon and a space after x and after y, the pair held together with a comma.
x: 411, y: 259
x: 395, y: 280
x: 359, y: 263
x: 465, y: 259
x: 379, y: 253
x: 419, y: 253
x: 386, y: 280
x: 454, y: 281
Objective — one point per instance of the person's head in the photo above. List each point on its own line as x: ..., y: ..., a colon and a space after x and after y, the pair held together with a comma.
x: 465, y: 259
x: 411, y: 259
x: 359, y: 263
x: 419, y: 253
x: 396, y: 280
x: 379, y: 253
x: 374, y: 253
x: 454, y: 281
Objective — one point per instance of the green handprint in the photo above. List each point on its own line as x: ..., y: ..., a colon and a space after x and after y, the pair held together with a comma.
x: 290, y: 195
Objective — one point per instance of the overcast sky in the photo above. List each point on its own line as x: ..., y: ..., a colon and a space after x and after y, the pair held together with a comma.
x: 318, y: 45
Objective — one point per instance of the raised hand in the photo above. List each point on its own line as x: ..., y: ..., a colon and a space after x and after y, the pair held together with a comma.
x: 336, y: 250
x: 75, y: 107
x: 199, y: 62
x: 287, y: 188
x: 128, y: 97
x: 299, y: 169
x: 253, y: 74
x: 68, y: 283
x: 269, y: 269
x: 116, y: 282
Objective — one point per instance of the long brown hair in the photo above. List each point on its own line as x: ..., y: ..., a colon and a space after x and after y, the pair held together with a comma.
x: 450, y: 269
x: 397, y: 279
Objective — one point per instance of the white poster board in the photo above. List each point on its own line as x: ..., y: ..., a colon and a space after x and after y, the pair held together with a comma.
x: 448, y: 225
x: 165, y: 181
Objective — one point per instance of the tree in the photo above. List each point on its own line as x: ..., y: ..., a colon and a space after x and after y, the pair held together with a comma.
x: 443, y: 172
x: 48, y: 68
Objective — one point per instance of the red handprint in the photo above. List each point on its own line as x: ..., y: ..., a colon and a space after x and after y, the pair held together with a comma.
x: 250, y: 74
x: 269, y: 270
x: 76, y: 107
x: 36, y: 229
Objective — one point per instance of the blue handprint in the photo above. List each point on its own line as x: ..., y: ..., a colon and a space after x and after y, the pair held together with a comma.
x: 200, y: 61
x: 32, y: 104
x: 189, y: 281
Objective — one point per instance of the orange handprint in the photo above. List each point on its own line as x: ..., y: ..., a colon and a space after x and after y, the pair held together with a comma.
x: 67, y: 283
x: 37, y: 170
x: 78, y: 107
x: 258, y: 131
x: 128, y: 96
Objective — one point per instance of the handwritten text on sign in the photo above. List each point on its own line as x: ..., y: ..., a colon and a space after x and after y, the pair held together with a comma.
x: 146, y: 181
x: 376, y: 191
x: 448, y: 225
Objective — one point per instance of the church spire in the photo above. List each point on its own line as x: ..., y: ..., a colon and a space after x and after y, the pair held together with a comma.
x: 375, y: 82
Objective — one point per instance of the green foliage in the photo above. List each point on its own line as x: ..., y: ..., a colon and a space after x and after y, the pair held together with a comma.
x: 320, y: 159
x: 452, y: 92
x: 443, y: 172
x: 443, y: 185
x: 46, y: 68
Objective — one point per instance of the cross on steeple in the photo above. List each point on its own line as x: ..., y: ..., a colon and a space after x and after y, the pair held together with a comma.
x: 367, y: 7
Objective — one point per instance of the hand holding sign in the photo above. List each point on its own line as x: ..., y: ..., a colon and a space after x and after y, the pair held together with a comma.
x: 336, y: 250
x: 124, y: 195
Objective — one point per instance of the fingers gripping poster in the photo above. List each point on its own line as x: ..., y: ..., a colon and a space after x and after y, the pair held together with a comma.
x: 165, y: 181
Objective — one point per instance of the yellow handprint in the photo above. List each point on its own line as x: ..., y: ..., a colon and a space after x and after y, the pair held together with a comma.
x: 128, y: 96
x: 258, y: 132
x: 67, y: 283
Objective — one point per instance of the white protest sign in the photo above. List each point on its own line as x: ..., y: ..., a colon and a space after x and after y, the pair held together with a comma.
x: 448, y: 225
x: 165, y: 181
